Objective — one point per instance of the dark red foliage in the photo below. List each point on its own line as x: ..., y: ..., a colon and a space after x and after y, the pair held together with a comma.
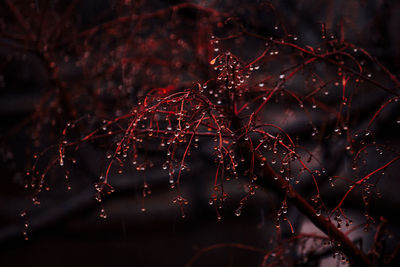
x: 149, y: 86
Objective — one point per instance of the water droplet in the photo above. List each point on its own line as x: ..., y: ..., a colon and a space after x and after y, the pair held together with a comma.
x: 238, y: 212
x: 103, y: 214
x: 164, y: 166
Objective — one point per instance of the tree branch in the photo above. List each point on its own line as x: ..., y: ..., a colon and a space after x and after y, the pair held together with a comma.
x: 282, y: 187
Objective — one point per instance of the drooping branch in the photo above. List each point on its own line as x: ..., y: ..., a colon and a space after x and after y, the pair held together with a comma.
x: 273, y: 181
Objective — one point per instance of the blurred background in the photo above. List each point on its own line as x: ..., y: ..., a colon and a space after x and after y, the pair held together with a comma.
x: 91, y: 60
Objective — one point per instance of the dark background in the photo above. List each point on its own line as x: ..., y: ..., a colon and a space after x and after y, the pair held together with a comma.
x: 67, y: 231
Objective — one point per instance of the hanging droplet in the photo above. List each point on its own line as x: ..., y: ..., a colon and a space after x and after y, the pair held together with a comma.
x: 103, y: 214
x: 318, y: 212
x: 238, y: 212
x: 25, y: 236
